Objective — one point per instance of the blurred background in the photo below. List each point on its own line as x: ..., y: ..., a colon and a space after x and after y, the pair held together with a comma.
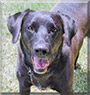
x: 9, y: 52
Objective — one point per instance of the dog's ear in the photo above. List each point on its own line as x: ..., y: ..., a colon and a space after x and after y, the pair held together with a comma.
x: 14, y: 24
x: 58, y: 21
x: 70, y: 28
x: 68, y: 24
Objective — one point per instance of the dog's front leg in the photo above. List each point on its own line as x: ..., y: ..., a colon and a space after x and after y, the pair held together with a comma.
x: 24, y: 86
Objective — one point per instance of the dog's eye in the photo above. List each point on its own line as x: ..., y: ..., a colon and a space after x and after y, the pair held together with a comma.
x: 30, y: 28
x: 54, y: 30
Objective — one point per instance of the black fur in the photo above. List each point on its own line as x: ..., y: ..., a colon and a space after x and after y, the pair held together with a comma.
x: 59, y: 73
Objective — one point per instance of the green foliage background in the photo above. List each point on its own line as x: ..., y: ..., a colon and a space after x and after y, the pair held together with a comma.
x: 9, y: 51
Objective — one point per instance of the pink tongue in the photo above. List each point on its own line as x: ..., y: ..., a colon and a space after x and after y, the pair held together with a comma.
x: 41, y: 63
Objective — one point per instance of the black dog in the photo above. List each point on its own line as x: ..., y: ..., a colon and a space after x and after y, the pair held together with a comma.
x: 45, y: 48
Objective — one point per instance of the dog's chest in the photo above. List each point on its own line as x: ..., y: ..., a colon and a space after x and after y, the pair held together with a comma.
x: 42, y: 82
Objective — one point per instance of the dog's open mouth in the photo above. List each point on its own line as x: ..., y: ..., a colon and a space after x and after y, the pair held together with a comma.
x: 40, y: 65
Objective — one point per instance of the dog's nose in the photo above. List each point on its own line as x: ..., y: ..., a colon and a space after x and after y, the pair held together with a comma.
x: 41, y: 51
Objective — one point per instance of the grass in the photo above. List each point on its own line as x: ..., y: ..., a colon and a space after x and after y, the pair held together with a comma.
x: 9, y: 52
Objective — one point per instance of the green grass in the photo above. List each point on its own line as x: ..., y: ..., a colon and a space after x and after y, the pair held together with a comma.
x: 9, y: 52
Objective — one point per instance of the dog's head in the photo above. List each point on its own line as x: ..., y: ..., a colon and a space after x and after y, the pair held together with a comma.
x: 42, y: 35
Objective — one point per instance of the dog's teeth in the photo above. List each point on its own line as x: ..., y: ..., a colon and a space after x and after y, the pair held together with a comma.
x: 41, y: 72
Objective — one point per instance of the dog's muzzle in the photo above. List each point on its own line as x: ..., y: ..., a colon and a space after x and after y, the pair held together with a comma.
x: 40, y: 65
